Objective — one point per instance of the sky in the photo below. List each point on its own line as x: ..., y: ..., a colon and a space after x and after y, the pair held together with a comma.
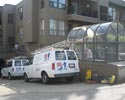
x: 14, y: 2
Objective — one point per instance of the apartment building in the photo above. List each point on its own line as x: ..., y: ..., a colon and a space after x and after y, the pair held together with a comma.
x: 44, y: 22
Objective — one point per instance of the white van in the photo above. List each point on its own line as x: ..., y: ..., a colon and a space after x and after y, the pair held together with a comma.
x: 53, y: 63
x: 14, y: 68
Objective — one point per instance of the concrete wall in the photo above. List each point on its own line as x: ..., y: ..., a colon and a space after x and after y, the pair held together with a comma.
x: 121, y: 74
x: 102, y: 69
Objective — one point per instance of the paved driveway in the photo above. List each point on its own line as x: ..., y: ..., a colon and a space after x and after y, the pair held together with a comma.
x: 35, y: 90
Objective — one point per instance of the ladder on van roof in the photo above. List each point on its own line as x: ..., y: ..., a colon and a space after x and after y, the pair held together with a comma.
x: 59, y: 45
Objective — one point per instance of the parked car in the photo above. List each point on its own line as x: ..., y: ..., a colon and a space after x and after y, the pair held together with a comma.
x: 52, y: 63
x: 14, y: 68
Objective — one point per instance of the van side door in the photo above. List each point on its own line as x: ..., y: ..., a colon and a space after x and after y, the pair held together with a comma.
x: 37, y: 65
x: 29, y: 68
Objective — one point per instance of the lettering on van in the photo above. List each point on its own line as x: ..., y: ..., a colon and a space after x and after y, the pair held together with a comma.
x: 46, y: 56
x: 61, y: 66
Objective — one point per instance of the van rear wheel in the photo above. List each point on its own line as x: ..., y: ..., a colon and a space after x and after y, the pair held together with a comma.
x: 45, y: 78
x: 26, y: 78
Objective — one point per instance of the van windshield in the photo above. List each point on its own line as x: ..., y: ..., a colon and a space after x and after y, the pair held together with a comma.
x: 60, y: 55
x: 71, y: 55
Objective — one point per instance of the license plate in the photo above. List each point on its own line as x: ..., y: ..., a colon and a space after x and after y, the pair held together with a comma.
x: 71, y: 65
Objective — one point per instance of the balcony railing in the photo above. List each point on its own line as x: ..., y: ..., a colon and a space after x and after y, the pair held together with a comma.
x: 84, y: 8
x: 93, y: 14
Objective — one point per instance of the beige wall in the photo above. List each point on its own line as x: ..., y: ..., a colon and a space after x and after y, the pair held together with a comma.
x: 31, y: 23
x: 8, y: 29
x: 30, y: 16
x: 19, y: 23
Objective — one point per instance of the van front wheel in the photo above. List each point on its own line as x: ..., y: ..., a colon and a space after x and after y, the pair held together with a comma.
x: 45, y: 78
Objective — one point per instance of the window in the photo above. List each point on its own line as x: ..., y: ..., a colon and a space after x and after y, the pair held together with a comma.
x: 42, y: 27
x: 62, y: 4
x: 42, y: 3
x: 20, y: 31
x: 71, y: 55
x: 25, y: 62
x: 112, y: 13
x: 60, y: 55
x: 17, y: 63
x: 53, y: 3
x: 30, y: 58
x: 9, y: 64
x: 20, y: 11
x: 57, y: 27
x: 58, y: 4
x: 10, y: 18
x: 61, y: 28
x: 103, y: 13
x: 53, y: 27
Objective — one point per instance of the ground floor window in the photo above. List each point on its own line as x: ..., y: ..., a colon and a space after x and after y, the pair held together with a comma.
x: 57, y: 27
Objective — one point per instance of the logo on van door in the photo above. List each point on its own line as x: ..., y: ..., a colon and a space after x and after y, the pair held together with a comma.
x: 61, y: 66
x: 46, y: 56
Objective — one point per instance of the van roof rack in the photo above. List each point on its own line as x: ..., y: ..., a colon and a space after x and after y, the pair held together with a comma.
x: 18, y: 58
x: 60, y: 45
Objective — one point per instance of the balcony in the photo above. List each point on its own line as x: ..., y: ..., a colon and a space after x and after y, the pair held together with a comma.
x: 85, y: 9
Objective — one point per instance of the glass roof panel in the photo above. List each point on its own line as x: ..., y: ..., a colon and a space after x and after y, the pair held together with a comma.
x: 101, y: 32
x: 89, y: 35
x: 94, y: 27
x: 114, y: 26
x: 79, y: 35
x: 72, y: 34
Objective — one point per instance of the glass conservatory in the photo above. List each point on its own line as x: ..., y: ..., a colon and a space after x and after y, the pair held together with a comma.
x: 101, y: 42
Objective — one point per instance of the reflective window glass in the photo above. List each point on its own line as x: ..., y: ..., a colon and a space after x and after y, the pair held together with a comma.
x: 100, y: 35
x: 79, y: 36
x: 88, y: 51
x: 111, y: 36
x: 111, y: 54
x: 121, y: 51
x: 121, y: 33
x: 99, y: 52
x: 79, y: 50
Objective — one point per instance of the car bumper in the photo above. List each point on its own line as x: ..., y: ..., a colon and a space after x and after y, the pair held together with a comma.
x: 67, y: 74
x: 17, y: 75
